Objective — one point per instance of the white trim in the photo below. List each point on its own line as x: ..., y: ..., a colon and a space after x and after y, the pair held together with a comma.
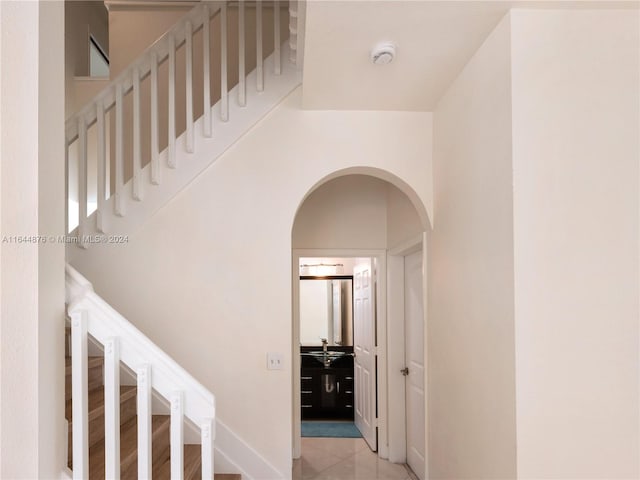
x: 380, y: 256
x: 425, y: 303
x: 296, y: 433
x: 244, y: 459
x: 116, y: 5
x: 407, y: 247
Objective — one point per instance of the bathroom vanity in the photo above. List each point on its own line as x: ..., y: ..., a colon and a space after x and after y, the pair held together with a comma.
x: 326, y: 382
x: 326, y: 351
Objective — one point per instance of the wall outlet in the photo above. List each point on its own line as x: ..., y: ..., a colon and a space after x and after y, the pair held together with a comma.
x: 274, y: 361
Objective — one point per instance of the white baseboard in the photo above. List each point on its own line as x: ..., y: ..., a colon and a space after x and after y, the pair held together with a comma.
x: 241, y: 457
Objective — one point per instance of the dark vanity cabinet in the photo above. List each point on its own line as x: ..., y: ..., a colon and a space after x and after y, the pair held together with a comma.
x: 326, y: 373
x: 326, y: 385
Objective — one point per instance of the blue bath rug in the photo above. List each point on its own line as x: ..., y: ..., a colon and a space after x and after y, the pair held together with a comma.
x: 330, y: 429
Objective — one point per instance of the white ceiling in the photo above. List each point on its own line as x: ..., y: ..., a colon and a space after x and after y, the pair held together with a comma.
x: 434, y: 40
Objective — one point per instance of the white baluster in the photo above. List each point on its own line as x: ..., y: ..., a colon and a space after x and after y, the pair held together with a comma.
x: 276, y: 37
x: 177, y: 436
x: 102, y: 165
x: 206, y: 68
x: 137, y: 146
x: 259, y: 60
x: 293, y: 30
x: 172, y: 103
x: 107, y: 155
x: 207, y: 436
x: 224, y: 93
x: 79, y: 391
x: 112, y: 408
x: 82, y: 180
x: 119, y: 200
x: 155, y: 147
x: 242, y: 87
x: 145, y: 457
x: 66, y: 188
x: 188, y: 35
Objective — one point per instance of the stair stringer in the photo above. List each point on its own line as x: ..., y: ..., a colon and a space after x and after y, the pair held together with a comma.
x: 206, y: 150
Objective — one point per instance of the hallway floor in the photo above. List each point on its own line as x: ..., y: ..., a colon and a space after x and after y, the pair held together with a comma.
x: 344, y: 459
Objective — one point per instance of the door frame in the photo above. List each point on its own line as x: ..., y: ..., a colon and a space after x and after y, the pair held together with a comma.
x: 380, y: 258
x: 396, y: 348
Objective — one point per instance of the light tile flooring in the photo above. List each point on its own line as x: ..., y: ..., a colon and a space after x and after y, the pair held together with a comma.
x: 344, y: 459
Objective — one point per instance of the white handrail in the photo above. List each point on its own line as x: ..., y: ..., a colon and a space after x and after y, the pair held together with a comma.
x: 91, y: 315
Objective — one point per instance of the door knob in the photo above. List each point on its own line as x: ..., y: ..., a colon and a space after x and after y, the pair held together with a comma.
x: 405, y: 371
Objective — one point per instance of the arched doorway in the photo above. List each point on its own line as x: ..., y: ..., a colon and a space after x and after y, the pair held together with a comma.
x: 366, y: 218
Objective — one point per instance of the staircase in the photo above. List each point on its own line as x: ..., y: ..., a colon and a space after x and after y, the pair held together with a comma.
x: 118, y: 430
x: 128, y: 153
x: 161, y: 455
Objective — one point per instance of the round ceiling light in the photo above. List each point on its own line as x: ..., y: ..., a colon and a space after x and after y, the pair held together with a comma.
x: 383, y: 53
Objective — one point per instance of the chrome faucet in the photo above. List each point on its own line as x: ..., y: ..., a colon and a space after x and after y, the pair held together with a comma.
x: 324, y: 344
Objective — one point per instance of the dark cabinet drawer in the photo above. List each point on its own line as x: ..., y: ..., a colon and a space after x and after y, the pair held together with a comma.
x: 326, y: 393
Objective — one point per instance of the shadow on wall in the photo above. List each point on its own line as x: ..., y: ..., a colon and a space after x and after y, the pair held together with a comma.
x: 355, y: 211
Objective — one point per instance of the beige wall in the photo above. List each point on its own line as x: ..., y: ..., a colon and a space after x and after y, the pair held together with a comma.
x: 471, y: 383
x: 82, y: 18
x: 575, y: 143
x: 32, y: 432
x: 355, y: 211
x: 208, y: 277
x: 347, y: 212
x: 403, y: 222
x: 131, y: 31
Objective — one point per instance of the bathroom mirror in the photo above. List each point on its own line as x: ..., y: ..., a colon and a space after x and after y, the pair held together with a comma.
x: 326, y: 310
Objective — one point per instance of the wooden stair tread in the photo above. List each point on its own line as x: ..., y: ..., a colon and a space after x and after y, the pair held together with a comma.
x: 94, y: 374
x: 192, y: 465
x: 191, y: 462
x: 93, y: 362
x: 96, y: 401
x: 128, y: 446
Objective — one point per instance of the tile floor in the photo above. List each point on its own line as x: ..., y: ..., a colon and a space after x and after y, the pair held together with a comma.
x: 344, y: 459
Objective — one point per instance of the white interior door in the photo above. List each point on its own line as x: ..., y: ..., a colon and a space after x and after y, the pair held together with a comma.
x: 364, y: 349
x: 414, y: 355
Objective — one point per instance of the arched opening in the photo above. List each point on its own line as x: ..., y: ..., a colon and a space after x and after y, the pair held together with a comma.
x: 350, y: 221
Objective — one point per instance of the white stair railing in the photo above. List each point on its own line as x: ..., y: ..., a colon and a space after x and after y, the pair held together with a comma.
x: 95, y: 154
x: 91, y: 315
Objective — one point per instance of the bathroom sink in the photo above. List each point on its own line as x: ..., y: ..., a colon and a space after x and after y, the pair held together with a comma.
x: 327, y: 359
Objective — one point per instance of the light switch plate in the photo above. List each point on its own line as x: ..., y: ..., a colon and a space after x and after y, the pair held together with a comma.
x: 274, y: 361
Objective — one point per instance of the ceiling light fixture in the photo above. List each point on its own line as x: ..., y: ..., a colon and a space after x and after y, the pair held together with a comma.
x: 383, y: 53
